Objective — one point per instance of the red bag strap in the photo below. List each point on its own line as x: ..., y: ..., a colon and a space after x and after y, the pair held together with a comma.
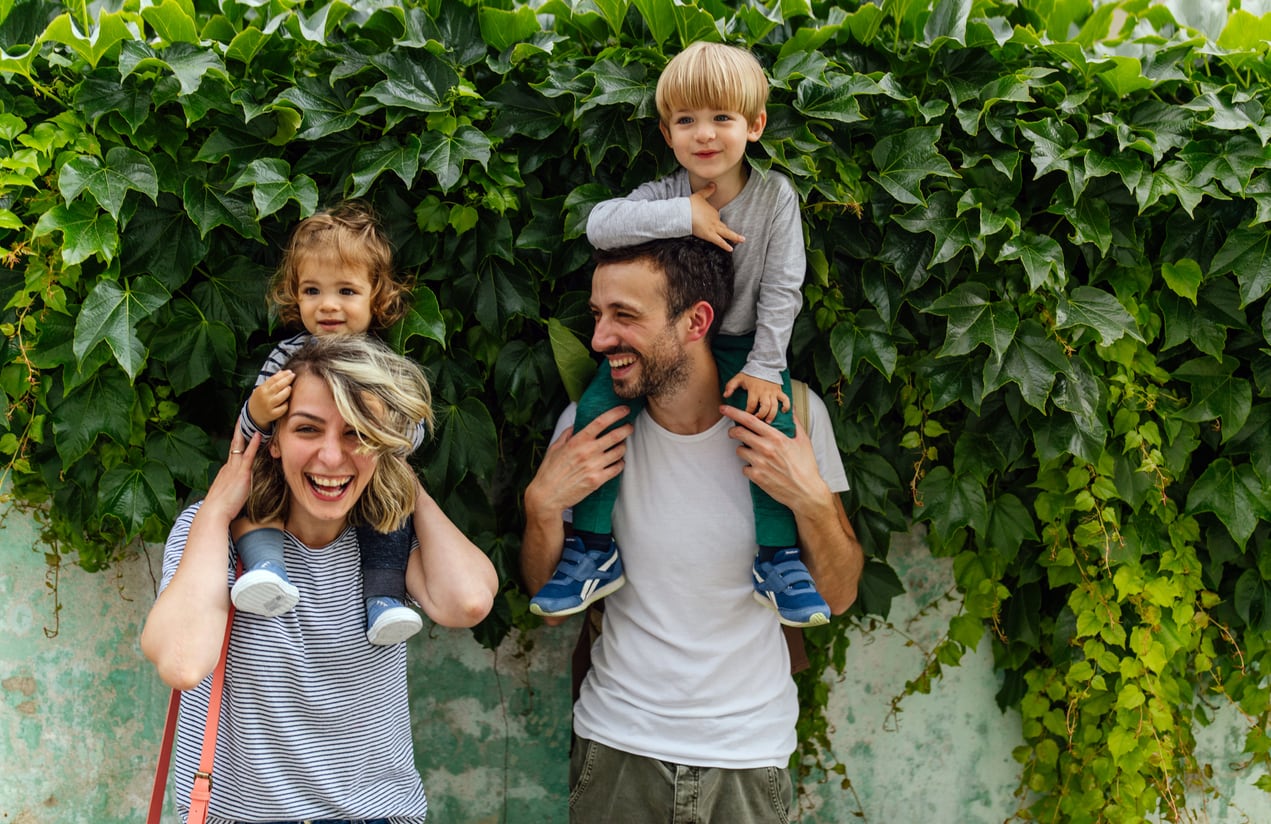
x: 202, y: 789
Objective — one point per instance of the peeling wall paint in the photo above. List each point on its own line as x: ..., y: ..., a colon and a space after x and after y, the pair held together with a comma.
x: 81, y: 713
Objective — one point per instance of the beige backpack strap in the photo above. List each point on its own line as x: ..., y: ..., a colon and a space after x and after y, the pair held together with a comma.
x: 799, y: 391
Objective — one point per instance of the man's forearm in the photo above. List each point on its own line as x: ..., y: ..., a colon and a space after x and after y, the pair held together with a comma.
x: 831, y: 551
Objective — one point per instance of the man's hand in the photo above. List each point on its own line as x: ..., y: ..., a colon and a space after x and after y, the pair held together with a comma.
x: 783, y: 467
x: 268, y: 402
x: 706, y: 222
x: 762, y: 397
x: 578, y: 463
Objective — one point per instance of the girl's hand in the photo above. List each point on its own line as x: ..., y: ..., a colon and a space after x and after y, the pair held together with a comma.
x: 762, y: 397
x: 268, y: 401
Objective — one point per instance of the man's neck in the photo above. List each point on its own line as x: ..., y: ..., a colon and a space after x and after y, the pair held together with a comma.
x: 693, y: 407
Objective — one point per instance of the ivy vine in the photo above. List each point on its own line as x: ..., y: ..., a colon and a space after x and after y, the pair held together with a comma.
x: 1037, y: 299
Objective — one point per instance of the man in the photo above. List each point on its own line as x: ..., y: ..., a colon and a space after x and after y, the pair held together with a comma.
x: 688, y: 712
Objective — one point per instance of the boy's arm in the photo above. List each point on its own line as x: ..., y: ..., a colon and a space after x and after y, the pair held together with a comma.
x: 784, y: 264
x: 657, y: 209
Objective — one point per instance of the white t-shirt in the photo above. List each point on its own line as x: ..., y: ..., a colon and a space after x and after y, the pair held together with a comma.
x: 690, y: 668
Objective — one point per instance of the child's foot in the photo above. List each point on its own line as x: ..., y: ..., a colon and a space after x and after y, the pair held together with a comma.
x: 389, y: 621
x: 264, y: 590
x: 582, y: 577
x: 784, y: 584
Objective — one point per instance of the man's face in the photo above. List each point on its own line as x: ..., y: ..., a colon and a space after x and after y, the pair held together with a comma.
x: 643, y: 347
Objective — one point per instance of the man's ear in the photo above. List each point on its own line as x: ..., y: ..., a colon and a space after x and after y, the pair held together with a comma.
x: 700, y: 317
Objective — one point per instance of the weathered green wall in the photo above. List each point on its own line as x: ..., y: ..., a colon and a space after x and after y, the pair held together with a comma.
x: 80, y: 713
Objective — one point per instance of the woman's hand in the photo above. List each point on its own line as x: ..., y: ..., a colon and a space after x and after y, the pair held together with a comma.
x: 233, y: 482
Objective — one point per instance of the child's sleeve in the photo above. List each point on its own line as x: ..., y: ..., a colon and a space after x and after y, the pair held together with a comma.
x: 657, y: 209
x: 780, y: 289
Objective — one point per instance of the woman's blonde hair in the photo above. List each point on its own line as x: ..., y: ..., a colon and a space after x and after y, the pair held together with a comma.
x: 352, y: 232
x: 713, y: 76
x: 382, y: 396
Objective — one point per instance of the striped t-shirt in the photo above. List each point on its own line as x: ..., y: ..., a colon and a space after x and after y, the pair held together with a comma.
x: 315, y: 720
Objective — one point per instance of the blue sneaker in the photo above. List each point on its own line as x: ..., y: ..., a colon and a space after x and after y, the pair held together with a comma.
x: 785, y: 585
x: 581, y: 577
x: 264, y: 590
x: 389, y: 621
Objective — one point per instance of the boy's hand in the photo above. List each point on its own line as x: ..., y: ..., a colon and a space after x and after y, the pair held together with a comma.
x: 762, y: 397
x: 706, y: 222
x: 268, y: 401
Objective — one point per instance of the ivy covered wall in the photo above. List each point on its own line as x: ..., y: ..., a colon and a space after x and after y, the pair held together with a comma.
x: 1036, y: 299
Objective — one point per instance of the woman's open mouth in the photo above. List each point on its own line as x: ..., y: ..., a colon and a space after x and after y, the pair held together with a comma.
x: 328, y: 489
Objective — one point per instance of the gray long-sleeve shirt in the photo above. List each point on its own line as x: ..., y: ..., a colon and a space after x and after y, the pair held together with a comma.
x: 769, y: 266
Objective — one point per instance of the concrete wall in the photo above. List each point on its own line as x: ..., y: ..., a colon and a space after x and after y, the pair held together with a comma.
x: 81, y: 713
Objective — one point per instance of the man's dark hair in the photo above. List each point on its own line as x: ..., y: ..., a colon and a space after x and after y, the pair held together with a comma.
x: 695, y: 270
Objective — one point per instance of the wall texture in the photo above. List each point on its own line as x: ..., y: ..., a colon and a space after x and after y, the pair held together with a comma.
x: 81, y: 713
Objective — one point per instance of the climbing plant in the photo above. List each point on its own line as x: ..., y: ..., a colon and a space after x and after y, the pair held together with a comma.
x: 1036, y: 300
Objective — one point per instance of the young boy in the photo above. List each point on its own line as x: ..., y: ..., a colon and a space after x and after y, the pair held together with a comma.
x: 711, y: 102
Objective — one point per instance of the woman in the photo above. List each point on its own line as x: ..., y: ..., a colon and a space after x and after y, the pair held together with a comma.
x: 315, y: 721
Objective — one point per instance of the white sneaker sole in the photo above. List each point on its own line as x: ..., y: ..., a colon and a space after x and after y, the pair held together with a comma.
x: 261, y: 592
x: 816, y: 619
x: 394, y: 626
x: 600, y: 592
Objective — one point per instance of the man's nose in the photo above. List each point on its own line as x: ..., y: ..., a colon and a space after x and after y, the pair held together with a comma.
x: 602, y: 337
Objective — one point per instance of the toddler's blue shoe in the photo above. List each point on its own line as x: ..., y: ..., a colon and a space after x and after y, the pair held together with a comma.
x: 389, y: 621
x: 785, y: 585
x: 264, y: 590
x: 582, y: 577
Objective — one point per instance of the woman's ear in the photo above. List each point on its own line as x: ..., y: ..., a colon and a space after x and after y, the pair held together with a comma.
x: 273, y: 449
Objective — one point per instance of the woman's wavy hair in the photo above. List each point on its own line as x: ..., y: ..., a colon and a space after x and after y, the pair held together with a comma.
x: 350, y: 230
x: 383, y: 396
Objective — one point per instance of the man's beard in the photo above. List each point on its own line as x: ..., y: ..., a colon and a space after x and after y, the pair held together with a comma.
x: 663, y: 369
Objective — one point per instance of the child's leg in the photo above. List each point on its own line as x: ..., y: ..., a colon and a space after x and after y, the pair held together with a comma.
x: 263, y: 588
x: 589, y: 568
x: 594, y: 514
x: 384, y: 559
x: 781, y: 579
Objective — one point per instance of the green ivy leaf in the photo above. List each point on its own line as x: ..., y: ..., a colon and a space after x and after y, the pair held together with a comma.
x: 109, y: 29
x: 388, y: 155
x: 879, y: 585
x: 124, y: 170
x: 188, y: 62
x: 415, y: 81
x: 100, y: 96
x: 234, y: 294
x: 1041, y: 256
x: 102, y: 405
x: 865, y: 338
x: 1233, y: 493
x: 111, y: 313
x: 327, y: 109
x: 833, y: 100
x: 85, y: 232
x: 466, y: 443
x: 192, y: 348
x: 1097, y: 310
x: 273, y: 187
x: 134, y: 495
x: 444, y: 155
x: 185, y: 450
x: 171, y: 22
x: 210, y: 206
x: 1218, y: 393
x: 1246, y: 253
x: 573, y: 359
x: 951, y: 502
x: 952, y: 230
x: 1031, y: 361
x: 423, y: 319
x: 905, y: 159
x: 618, y: 84
x: 1183, y: 277
x: 974, y: 320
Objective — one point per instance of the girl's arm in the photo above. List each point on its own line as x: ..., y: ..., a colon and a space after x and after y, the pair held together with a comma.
x: 184, y: 630
x: 450, y: 577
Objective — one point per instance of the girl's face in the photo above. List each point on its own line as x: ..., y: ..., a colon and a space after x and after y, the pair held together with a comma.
x: 334, y: 298
x: 325, y: 470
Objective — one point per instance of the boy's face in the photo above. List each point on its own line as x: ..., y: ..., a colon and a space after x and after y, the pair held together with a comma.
x: 711, y: 143
x: 334, y: 298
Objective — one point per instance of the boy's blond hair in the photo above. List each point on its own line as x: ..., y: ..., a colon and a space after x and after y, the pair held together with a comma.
x: 713, y: 76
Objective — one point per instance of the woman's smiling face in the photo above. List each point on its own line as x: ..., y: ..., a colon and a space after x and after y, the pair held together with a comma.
x: 322, y: 461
